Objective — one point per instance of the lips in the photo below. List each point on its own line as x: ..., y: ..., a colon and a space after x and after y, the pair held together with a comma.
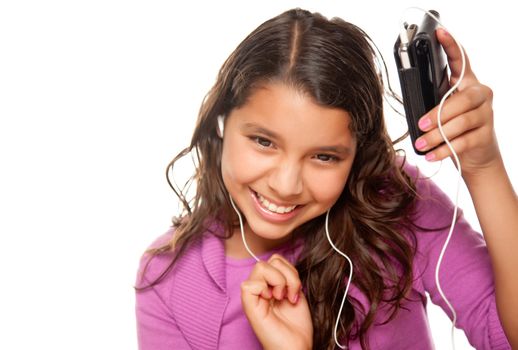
x: 271, y: 211
x: 274, y: 208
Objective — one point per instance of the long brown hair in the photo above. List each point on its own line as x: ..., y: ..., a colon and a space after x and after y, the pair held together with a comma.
x: 333, y: 62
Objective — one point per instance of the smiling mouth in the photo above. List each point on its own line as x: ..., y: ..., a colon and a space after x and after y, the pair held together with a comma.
x: 272, y: 207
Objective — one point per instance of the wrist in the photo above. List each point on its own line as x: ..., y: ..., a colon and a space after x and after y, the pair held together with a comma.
x: 481, y: 175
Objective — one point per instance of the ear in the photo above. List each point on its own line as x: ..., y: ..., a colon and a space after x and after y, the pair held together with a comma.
x: 221, y: 126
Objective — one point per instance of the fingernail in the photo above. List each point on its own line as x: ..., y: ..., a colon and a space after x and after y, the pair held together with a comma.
x: 445, y: 32
x: 420, y: 144
x: 296, y: 298
x: 429, y: 156
x: 424, y: 123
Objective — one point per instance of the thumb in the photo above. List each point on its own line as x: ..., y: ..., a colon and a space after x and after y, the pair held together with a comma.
x: 454, y: 54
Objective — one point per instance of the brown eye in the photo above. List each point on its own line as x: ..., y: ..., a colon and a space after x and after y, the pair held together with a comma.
x: 326, y: 158
x: 262, y: 141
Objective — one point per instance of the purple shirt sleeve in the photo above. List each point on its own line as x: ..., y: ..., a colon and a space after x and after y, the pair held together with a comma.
x: 156, y: 325
x: 466, y: 275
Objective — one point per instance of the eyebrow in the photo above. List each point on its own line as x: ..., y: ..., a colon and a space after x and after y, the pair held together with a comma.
x: 339, y: 149
x: 335, y: 149
x: 259, y: 129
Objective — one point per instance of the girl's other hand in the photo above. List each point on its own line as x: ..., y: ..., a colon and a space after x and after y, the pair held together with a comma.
x: 276, y: 307
x: 467, y: 118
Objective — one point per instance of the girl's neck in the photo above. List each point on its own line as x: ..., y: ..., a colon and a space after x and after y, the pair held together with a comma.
x: 235, y: 248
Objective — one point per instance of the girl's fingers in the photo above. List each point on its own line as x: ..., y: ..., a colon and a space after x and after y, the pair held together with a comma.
x: 277, y: 322
x: 279, y: 278
x: 272, y: 277
x: 291, y: 274
x: 452, y: 129
x: 468, y: 141
x: 255, y: 296
x: 256, y: 288
x: 469, y: 99
x: 466, y: 116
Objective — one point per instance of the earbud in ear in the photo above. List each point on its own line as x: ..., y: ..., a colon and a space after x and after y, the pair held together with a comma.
x: 221, y: 126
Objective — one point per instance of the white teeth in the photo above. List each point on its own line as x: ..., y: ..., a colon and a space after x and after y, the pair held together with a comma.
x: 273, y: 207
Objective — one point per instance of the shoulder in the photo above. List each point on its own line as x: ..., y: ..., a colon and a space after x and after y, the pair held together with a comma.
x: 432, y: 218
x: 431, y: 223
x: 160, y: 260
x: 153, y: 264
x: 433, y: 207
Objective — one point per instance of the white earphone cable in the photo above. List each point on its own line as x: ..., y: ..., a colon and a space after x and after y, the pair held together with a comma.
x: 242, y: 229
x: 458, y: 165
x: 348, y: 281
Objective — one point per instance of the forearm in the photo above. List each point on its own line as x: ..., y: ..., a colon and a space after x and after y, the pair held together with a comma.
x: 496, y: 205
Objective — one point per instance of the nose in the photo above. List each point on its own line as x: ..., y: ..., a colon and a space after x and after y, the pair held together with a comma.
x: 286, y: 179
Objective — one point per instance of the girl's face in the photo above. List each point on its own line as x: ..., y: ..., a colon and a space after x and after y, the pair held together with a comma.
x: 285, y: 161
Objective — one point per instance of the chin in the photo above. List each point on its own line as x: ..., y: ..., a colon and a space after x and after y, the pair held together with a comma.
x: 269, y: 231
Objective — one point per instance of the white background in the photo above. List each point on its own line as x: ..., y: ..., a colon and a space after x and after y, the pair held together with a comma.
x: 97, y: 96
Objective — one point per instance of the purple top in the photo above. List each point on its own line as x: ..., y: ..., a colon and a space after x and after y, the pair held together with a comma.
x: 198, y: 304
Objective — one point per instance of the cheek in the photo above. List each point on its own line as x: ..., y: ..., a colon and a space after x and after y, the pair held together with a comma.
x: 326, y: 188
x: 239, y: 164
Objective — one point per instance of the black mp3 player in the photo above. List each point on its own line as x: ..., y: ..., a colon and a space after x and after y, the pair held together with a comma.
x: 423, y: 72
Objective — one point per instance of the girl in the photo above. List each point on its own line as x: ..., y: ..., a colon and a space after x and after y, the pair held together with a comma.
x: 290, y: 136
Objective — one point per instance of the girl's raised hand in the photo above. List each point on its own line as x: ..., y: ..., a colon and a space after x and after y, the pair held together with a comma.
x: 467, y: 118
x: 276, y: 306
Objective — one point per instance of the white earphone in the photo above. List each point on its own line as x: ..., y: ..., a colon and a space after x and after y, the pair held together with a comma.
x: 221, y: 126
